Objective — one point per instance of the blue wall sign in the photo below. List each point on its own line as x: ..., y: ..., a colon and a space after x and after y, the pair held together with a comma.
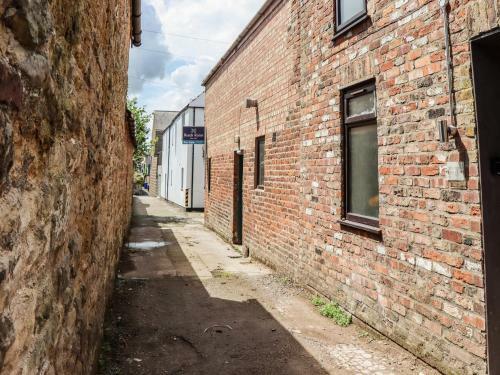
x: 192, y: 135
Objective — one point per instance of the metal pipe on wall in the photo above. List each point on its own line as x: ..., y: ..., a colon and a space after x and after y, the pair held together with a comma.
x: 444, y: 4
x: 136, y: 23
x: 192, y: 161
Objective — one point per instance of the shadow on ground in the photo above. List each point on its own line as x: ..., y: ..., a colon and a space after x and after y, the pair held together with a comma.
x: 172, y: 325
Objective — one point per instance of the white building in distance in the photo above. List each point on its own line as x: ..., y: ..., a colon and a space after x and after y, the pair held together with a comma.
x: 183, y: 167
x: 161, y: 119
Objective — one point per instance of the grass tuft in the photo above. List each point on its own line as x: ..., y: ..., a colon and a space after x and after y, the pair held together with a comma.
x: 332, y: 311
x: 318, y: 301
x: 221, y: 274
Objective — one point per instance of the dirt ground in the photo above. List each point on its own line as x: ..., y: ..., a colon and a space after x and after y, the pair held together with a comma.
x: 187, y: 303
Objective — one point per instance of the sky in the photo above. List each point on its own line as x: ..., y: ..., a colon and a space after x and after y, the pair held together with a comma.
x: 182, y: 41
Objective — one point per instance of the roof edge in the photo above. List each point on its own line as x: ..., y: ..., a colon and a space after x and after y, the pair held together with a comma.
x: 263, y: 12
x: 184, y: 109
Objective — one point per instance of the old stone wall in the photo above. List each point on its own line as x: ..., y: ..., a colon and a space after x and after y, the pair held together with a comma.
x: 65, y: 178
x: 153, y: 178
x: 421, y: 282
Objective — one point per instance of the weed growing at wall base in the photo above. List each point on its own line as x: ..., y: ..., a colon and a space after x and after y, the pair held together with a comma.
x: 333, y: 311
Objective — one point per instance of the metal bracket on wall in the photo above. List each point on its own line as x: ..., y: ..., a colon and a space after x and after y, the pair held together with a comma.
x: 446, y: 131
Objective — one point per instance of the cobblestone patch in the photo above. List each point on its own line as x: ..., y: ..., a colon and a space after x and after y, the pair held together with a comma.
x: 354, y: 358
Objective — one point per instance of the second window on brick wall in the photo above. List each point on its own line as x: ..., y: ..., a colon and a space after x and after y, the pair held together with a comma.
x: 349, y: 11
x: 260, y: 155
x: 361, y: 156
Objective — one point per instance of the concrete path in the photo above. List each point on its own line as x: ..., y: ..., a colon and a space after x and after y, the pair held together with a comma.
x: 187, y: 303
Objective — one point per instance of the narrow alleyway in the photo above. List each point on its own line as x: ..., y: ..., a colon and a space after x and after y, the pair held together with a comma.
x: 187, y: 303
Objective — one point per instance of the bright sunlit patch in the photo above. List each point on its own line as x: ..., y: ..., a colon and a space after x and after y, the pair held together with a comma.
x: 147, y: 245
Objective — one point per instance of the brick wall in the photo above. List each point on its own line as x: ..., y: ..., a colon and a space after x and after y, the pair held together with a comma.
x: 421, y: 283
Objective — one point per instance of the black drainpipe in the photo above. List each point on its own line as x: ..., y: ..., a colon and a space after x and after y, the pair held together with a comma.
x: 192, y: 162
x: 136, y: 23
x: 168, y: 160
x: 444, y: 4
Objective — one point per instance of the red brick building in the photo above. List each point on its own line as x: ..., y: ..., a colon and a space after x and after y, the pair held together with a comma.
x: 334, y: 170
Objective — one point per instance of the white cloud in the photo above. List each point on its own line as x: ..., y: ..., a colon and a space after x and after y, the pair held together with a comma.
x: 150, y: 62
x: 191, y: 59
x: 192, y: 74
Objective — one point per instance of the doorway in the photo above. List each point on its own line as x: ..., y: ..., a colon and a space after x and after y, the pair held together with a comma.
x: 238, y: 199
x: 486, y: 63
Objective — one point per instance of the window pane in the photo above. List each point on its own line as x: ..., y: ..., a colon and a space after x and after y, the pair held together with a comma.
x: 209, y: 173
x: 349, y: 8
x: 363, y: 171
x: 261, y: 174
x: 261, y: 152
x: 361, y: 105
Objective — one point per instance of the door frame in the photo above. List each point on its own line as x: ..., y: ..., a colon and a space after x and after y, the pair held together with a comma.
x: 481, y: 69
x: 238, y: 179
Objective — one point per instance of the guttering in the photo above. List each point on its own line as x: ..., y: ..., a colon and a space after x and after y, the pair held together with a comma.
x: 267, y: 8
x: 136, y: 23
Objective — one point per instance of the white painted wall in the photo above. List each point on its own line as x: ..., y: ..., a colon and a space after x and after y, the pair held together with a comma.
x: 199, y: 164
x: 176, y: 169
x: 163, y: 183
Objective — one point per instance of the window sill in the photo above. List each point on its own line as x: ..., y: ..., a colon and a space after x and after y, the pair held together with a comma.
x: 346, y: 29
x: 259, y: 188
x: 364, y: 227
